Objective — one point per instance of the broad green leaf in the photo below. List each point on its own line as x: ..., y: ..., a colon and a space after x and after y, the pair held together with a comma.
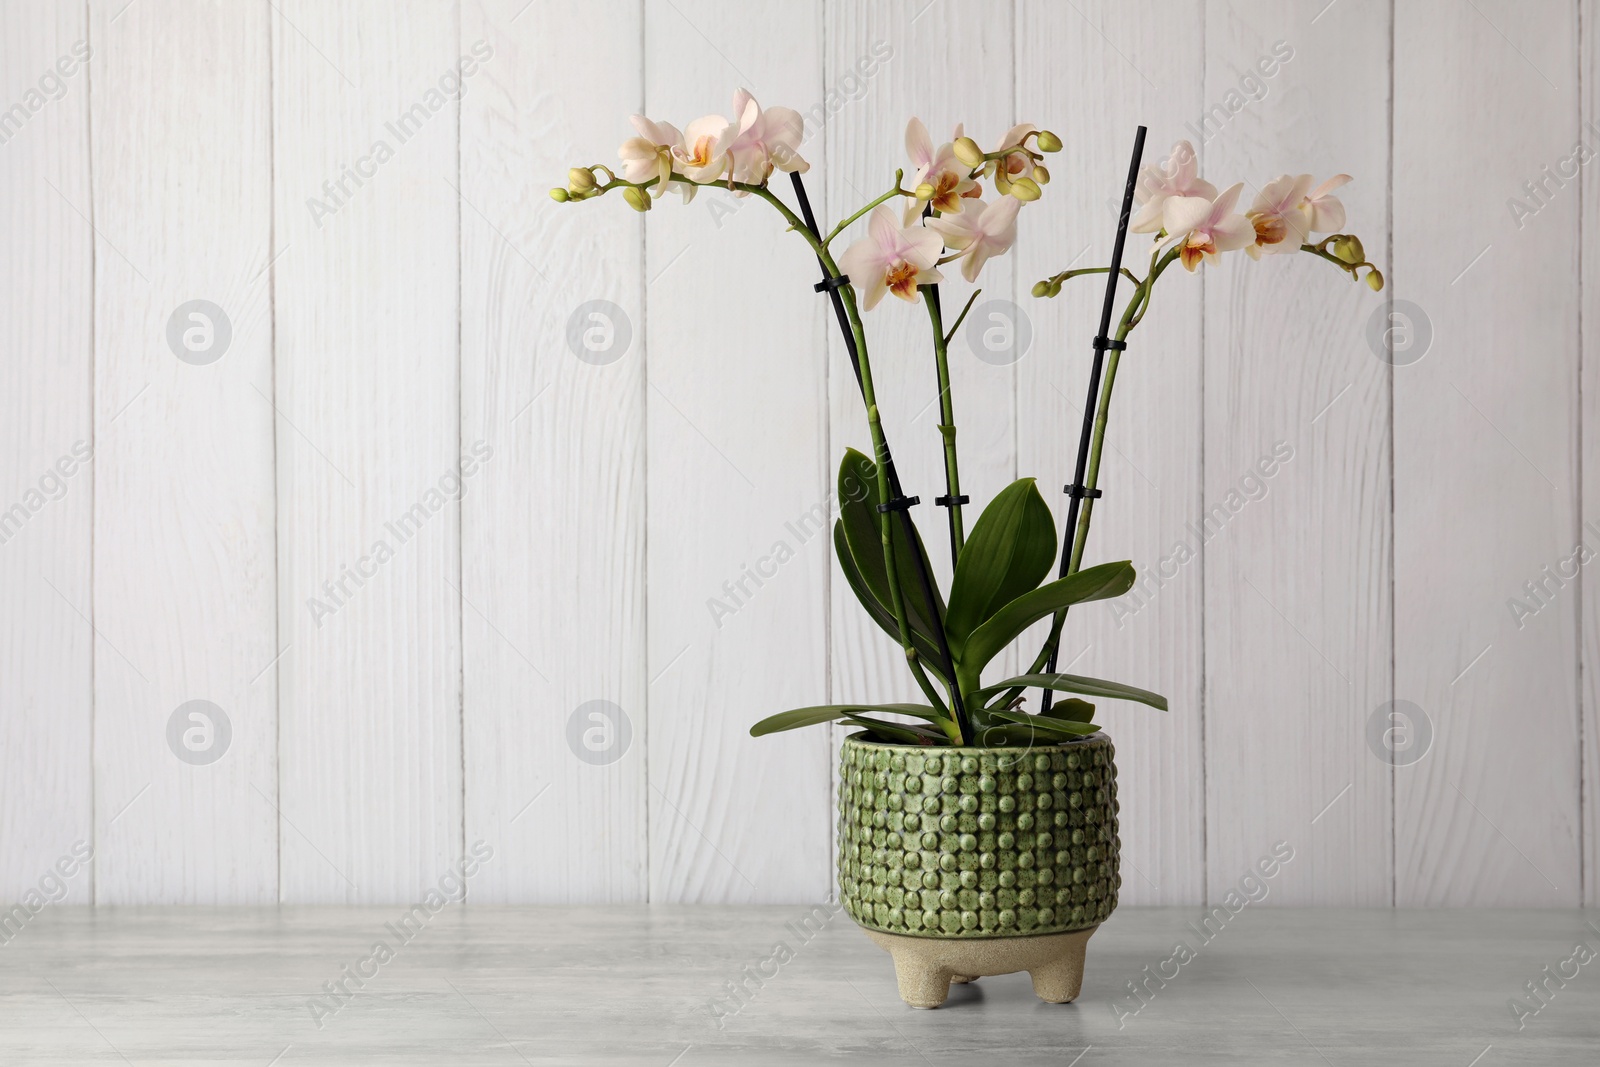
x: 899, y: 733
x: 1097, y: 583
x: 858, y: 497
x: 821, y: 713
x: 880, y: 613
x: 1074, y: 683
x: 1012, y: 734
x: 1048, y: 726
x: 1009, y: 553
x: 1071, y: 709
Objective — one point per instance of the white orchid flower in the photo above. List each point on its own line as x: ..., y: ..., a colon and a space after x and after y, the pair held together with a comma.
x: 1325, y: 212
x: 703, y: 157
x: 891, y: 259
x: 761, y: 140
x: 938, y: 168
x: 1177, y: 175
x: 650, y: 155
x: 1279, y: 223
x: 1204, y: 229
x: 983, y: 231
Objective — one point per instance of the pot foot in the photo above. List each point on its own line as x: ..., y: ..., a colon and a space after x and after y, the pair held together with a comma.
x: 1058, y: 982
x: 925, y: 966
x: 921, y: 984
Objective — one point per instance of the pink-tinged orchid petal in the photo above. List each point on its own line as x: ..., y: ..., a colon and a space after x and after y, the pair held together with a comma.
x: 1280, y: 227
x: 983, y: 231
x: 653, y: 155
x: 1019, y: 164
x: 1177, y: 175
x: 939, y: 168
x: 1325, y: 213
x: 704, y: 157
x: 919, y: 149
x: 759, y: 141
x: 785, y: 129
x: 1204, y: 229
x: 650, y: 154
x: 891, y: 258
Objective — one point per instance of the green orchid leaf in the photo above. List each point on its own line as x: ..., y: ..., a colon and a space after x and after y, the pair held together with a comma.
x: 1073, y: 683
x: 1050, y: 727
x: 858, y: 497
x: 1071, y: 709
x: 1096, y: 583
x: 1009, y: 553
x: 879, y: 611
x: 899, y: 733
x: 821, y: 713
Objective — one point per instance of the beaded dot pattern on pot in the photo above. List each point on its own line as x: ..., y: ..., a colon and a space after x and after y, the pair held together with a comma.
x: 978, y: 843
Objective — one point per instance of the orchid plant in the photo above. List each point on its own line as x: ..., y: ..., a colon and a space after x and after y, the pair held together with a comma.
x: 961, y: 204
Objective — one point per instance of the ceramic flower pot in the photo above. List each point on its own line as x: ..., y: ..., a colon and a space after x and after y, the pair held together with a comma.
x: 979, y: 861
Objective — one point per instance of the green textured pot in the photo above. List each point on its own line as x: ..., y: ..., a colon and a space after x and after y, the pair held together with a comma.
x: 964, y: 862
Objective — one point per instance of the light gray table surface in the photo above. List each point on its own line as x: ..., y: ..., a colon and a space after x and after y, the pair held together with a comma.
x: 640, y: 985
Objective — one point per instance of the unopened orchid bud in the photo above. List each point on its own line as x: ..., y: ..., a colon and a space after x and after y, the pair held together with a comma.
x: 1041, y: 288
x: 580, y: 180
x: 1348, y: 248
x: 1048, y: 142
x: 559, y: 196
x: 968, y: 152
x: 1375, y: 280
x: 1040, y: 174
x: 637, y: 199
x: 1055, y: 288
x: 1002, y: 181
x: 925, y: 191
x: 1025, y: 189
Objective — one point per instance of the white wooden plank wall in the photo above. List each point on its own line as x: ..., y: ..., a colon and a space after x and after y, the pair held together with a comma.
x: 46, y: 409
x: 1297, y: 614
x: 1485, y: 451
x: 443, y: 499
x: 184, y: 576
x: 553, y: 526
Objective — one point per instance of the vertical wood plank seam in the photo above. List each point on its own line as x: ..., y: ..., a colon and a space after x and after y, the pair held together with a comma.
x: 644, y: 449
x: 1200, y: 507
x: 94, y: 468
x: 277, y: 494
x: 461, y: 596
x: 1388, y: 300
x: 1577, y: 518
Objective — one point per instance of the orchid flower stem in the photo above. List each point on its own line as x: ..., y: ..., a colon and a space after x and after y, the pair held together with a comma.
x: 885, y: 198
x: 947, y: 421
x: 1321, y: 252
x: 1068, y: 275
x: 956, y: 327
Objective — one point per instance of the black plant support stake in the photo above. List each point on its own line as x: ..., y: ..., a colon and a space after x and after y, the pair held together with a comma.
x: 900, y: 504
x: 1076, y: 490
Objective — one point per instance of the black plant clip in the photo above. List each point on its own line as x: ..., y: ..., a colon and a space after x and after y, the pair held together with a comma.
x: 952, y: 501
x: 900, y: 503
x: 828, y: 285
x: 1102, y: 343
x: 1078, y: 492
